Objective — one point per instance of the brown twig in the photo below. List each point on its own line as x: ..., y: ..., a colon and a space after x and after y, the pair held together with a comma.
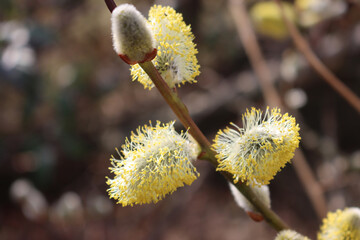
x: 319, y: 67
x: 110, y: 4
x: 272, y: 98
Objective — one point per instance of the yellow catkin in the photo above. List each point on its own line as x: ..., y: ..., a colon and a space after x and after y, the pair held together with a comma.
x: 256, y: 152
x: 176, y: 57
x: 153, y: 163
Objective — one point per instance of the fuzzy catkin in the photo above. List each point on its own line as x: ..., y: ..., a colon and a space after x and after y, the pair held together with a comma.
x: 154, y: 162
x: 131, y: 35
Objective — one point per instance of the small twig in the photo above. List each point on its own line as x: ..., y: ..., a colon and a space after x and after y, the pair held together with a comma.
x: 319, y: 67
x: 110, y: 4
x: 272, y: 98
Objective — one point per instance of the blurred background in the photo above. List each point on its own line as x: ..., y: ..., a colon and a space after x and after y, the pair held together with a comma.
x: 67, y: 100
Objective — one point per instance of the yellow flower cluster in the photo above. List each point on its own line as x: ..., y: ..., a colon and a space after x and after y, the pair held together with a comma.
x: 256, y: 152
x: 154, y: 162
x: 267, y: 19
x: 290, y: 235
x: 341, y: 225
x: 175, y: 60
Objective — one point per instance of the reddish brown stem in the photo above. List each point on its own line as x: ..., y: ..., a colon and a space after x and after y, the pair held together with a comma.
x: 110, y: 4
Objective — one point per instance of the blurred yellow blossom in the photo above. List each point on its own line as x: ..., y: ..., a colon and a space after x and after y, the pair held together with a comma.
x: 341, y: 225
x: 267, y: 19
x: 312, y: 12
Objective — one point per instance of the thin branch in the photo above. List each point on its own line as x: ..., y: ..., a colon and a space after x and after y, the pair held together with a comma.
x: 319, y: 67
x: 110, y: 4
x: 272, y: 98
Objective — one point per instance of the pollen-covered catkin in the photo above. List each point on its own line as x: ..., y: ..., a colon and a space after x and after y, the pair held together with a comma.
x: 153, y: 163
x: 176, y: 57
x: 256, y: 152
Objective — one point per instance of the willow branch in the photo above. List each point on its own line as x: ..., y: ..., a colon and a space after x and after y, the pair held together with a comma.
x: 272, y: 98
x: 319, y: 67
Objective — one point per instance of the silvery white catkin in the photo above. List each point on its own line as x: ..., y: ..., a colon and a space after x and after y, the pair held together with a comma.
x: 262, y: 193
x: 131, y: 35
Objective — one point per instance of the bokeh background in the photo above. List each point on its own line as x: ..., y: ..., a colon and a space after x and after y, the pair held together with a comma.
x: 67, y: 100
